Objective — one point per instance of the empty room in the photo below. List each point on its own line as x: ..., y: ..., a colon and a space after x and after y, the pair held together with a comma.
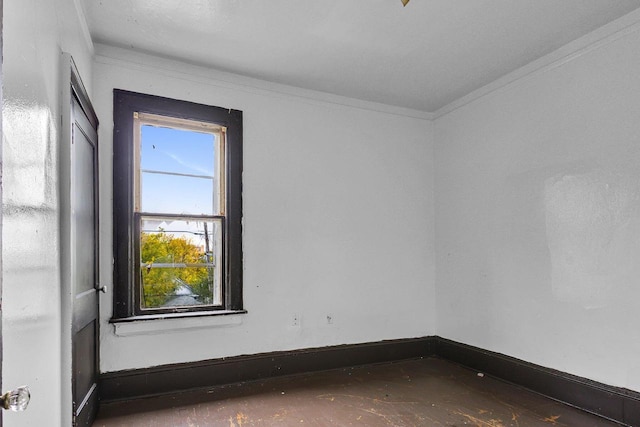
x: 321, y: 213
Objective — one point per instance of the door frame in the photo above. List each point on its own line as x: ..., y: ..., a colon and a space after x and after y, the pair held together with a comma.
x: 72, y: 88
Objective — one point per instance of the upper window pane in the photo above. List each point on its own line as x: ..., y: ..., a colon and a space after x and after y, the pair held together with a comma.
x: 179, y: 166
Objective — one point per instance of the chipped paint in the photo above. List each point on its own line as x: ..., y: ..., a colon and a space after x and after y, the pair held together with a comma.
x: 553, y: 419
x: 480, y: 422
x: 241, y: 418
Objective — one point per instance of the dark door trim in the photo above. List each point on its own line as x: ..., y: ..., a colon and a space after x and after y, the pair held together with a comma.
x: 79, y: 364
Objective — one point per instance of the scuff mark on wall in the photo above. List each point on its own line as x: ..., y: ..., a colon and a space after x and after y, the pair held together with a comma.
x: 588, y: 221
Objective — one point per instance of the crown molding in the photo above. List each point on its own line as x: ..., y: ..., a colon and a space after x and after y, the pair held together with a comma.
x: 84, y: 27
x: 584, y: 45
x: 170, y: 67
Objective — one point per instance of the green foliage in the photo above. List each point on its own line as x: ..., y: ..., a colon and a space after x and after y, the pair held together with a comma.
x: 160, y: 283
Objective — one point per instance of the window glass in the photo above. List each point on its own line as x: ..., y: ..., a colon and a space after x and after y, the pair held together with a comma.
x: 177, y: 150
x: 178, y: 175
x: 176, y: 194
x: 180, y: 262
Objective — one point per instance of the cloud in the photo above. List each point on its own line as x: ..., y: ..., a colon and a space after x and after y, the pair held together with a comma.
x: 196, y: 168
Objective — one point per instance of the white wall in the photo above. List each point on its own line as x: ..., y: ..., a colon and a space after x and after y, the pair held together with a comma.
x: 338, y: 217
x: 35, y: 32
x: 538, y: 216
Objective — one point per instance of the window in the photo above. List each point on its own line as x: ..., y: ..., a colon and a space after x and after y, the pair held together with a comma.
x: 177, y: 209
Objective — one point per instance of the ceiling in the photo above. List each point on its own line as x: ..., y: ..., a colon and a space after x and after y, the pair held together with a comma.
x: 422, y: 56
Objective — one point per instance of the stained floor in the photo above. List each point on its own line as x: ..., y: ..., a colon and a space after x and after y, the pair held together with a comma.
x: 422, y: 392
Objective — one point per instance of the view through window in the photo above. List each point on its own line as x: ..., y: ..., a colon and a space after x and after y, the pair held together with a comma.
x: 179, y: 206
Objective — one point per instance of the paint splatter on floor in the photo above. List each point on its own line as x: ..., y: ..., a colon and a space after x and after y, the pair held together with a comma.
x: 422, y: 392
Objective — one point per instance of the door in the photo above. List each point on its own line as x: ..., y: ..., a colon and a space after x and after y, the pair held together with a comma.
x: 84, y: 264
x: 79, y: 160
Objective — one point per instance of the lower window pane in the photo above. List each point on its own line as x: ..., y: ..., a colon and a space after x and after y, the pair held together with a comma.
x: 180, y: 263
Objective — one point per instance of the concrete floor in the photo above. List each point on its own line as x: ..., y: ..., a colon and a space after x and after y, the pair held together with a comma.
x: 424, y: 392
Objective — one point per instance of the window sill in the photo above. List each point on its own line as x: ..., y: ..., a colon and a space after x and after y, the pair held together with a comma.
x: 162, y: 323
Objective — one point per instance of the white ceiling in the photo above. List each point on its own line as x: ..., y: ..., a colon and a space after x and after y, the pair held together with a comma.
x: 422, y: 56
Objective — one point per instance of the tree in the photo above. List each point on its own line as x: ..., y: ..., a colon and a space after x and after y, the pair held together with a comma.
x: 167, y: 264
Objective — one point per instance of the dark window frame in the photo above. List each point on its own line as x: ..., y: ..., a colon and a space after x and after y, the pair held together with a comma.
x: 125, y: 237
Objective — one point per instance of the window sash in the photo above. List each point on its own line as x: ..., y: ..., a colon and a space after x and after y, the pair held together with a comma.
x: 220, y: 167
x: 219, y: 264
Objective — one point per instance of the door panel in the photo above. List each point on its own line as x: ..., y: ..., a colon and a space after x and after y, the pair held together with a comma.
x: 84, y: 264
x: 83, y: 212
x: 84, y: 370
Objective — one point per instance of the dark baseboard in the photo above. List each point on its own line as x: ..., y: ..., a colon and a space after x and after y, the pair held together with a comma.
x: 617, y: 404
x: 166, y: 379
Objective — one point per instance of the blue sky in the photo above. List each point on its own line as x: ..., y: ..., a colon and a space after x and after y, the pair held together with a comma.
x: 178, y: 151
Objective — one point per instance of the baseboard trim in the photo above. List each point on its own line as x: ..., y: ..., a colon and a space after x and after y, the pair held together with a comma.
x: 166, y: 379
x: 616, y: 404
